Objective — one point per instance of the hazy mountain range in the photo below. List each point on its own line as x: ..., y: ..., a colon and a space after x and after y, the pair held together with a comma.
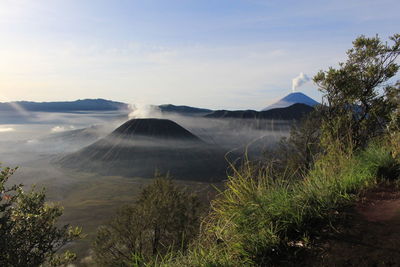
x: 293, y: 112
x: 186, y: 110
x: 291, y: 107
x: 65, y: 106
x: 139, y: 147
x: 188, y: 142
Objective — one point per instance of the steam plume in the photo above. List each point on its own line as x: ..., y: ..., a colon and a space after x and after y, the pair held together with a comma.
x: 144, y: 111
x: 299, y: 81
x: 15, y: 105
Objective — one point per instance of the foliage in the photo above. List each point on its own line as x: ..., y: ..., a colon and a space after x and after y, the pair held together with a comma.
x: 357, y: 95
x: 29, y: 235
x: 394, y: 142
x: 258, y: 218
x: 295, y: 155
x: 164, y: 219
x: 393, y: 129
x: 264, y: 213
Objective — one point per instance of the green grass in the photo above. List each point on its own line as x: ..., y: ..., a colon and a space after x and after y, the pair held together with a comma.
x: 257, y: 218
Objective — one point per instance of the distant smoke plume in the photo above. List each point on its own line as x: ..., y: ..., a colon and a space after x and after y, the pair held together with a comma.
x: 140, y: 111
x: 299, y: 81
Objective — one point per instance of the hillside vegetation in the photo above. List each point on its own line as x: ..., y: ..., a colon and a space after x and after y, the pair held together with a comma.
x: 261, y: 220
x: 266, y: 215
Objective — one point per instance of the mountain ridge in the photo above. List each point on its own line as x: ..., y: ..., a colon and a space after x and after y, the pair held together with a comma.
x: 293, y: 112
x: 98, y: 104
x: 183, y: 109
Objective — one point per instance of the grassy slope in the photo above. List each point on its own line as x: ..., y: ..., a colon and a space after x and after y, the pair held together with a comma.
x: 258, y: 219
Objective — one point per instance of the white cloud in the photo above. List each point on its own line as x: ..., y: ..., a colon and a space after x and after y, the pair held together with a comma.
x: 193, y: 75
x: 57, y: 129
x: 47, y: 53
x: 6, y: 129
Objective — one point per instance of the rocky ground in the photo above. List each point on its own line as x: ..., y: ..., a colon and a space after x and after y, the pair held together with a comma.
x: 369, y: 235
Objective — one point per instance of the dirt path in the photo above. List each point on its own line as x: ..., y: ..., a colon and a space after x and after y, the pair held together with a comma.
x: 371, y: 234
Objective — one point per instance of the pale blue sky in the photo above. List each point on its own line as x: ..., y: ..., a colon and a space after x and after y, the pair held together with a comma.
x: 208, y: 53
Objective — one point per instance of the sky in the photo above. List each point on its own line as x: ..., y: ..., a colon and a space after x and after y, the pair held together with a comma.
x: 231, y: 54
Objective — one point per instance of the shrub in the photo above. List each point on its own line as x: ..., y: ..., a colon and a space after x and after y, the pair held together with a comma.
x: 29, y: 235
x: 295, y: 155
x: 352, y: 93
x: 164, y: 219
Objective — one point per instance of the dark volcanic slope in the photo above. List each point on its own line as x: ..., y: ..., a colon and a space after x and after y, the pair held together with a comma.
x: 293, y: 98
x: 154, y: 128
x: 139, y: 147
x: 293, y: 112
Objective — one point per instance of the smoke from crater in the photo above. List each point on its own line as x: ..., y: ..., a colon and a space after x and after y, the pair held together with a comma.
x: 299, y: 81
x: 142, y: 111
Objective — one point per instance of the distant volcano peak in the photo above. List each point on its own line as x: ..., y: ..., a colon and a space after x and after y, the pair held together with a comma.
x: 291, y: 99
x: 139, y: 147
x: 154, y: 128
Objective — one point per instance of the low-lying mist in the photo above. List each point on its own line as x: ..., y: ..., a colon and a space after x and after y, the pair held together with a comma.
x: 35, y: 143
x: 43, y: 136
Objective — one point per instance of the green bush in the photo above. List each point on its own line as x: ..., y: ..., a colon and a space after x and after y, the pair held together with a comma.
x: 29, y: 235
x: 358, y: 95
x: 163, y: 220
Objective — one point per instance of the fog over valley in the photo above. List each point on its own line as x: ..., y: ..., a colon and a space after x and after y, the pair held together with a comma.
x: 92, y: 164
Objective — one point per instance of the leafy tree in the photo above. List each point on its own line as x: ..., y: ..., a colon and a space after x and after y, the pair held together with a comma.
x: 357, y: 95
x: 294, y: 156
x: 28, y: 232
x: 300, y: 149
x: 393, y: 129
x: 163, y: 219
x: 393, y: 97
